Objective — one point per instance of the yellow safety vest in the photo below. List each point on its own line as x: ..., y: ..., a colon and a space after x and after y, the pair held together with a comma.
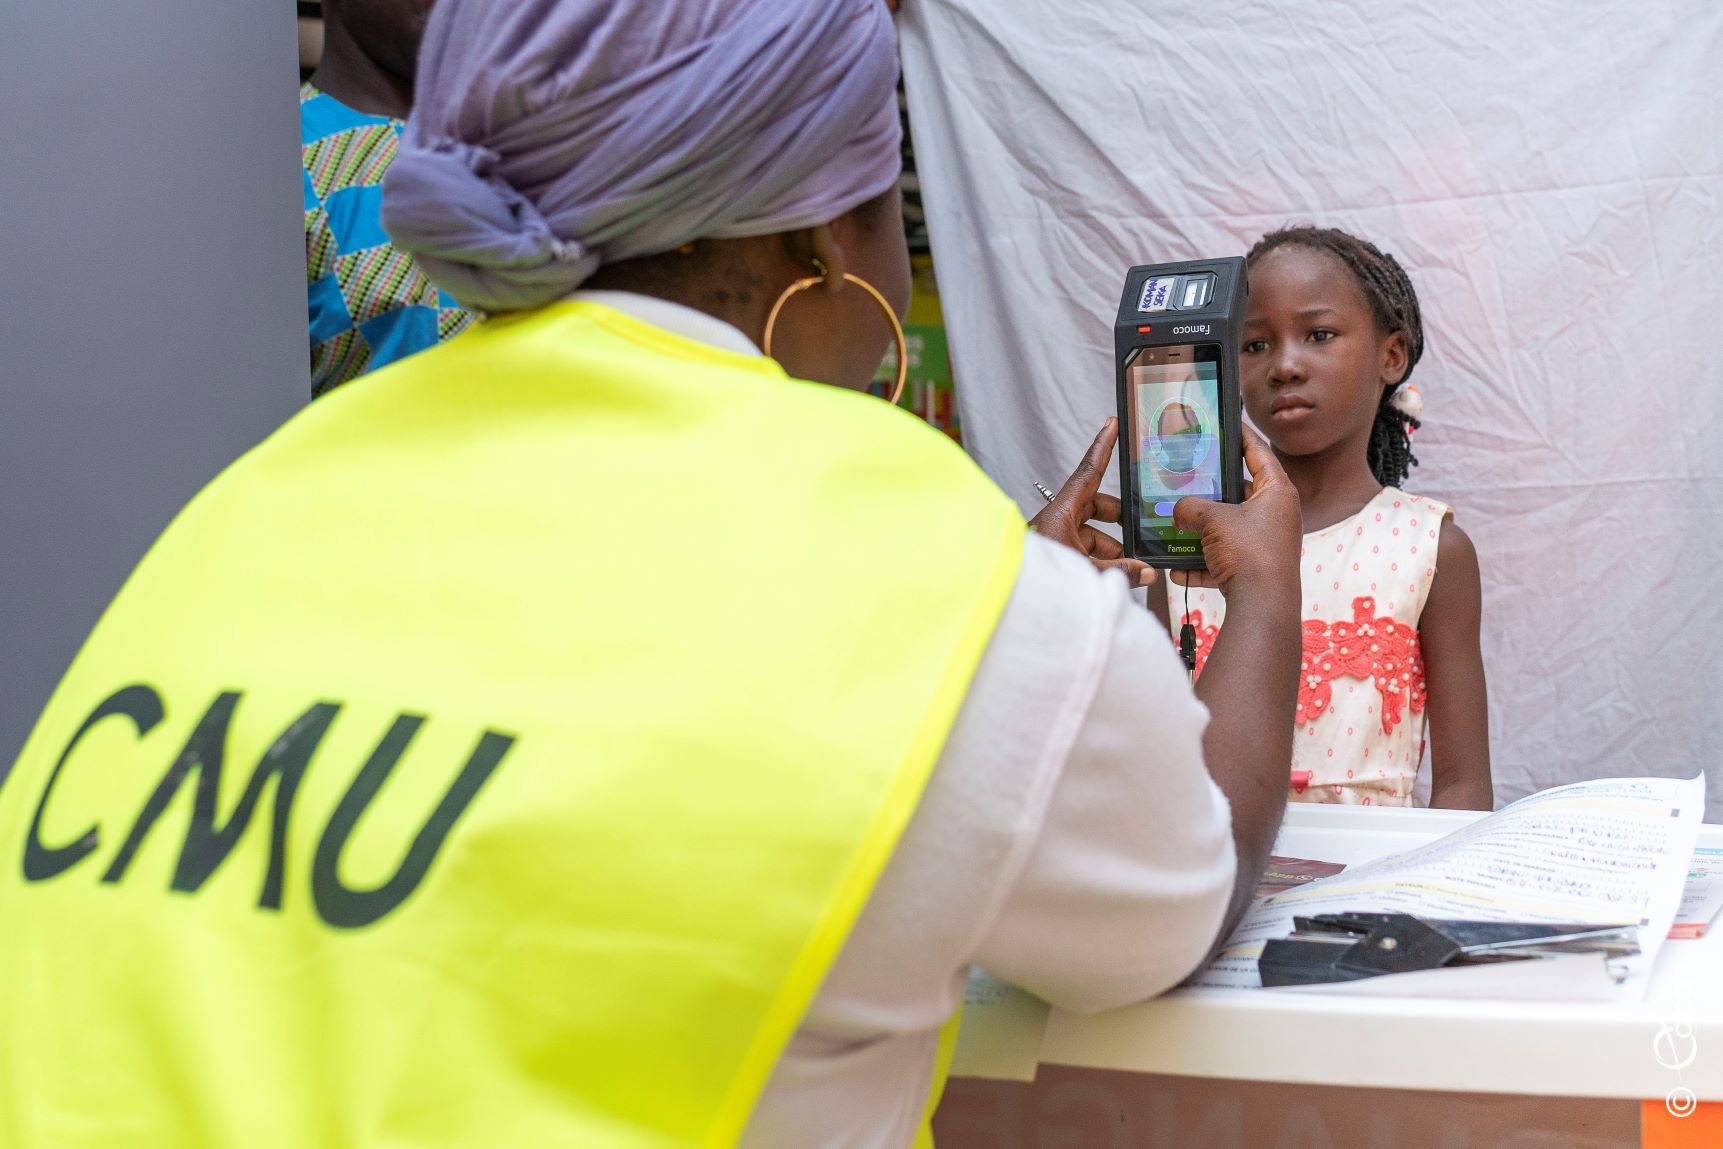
x: 496, y: 756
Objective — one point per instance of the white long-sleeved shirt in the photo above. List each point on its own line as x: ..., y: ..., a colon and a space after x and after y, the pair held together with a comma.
x: 1069, y: 840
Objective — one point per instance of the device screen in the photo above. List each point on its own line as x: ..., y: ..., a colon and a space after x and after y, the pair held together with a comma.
x: 1175, y: 418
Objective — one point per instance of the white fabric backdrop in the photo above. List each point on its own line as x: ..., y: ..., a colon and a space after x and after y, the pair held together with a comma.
x: 1551, y: 173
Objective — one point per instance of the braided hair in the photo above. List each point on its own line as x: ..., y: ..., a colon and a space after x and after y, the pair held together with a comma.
x: 1395, y: 305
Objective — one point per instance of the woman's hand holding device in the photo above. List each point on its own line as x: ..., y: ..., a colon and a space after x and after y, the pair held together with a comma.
x: 1066, y: 519
x: 1248, y: 544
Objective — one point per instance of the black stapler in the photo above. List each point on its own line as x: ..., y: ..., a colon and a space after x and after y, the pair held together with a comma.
x: 1347, y: 947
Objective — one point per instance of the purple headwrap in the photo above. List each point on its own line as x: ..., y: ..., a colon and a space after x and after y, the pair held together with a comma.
x: 549, y: 137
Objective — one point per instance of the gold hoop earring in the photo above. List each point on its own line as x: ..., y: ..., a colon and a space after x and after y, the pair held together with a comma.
x: 890, y: 315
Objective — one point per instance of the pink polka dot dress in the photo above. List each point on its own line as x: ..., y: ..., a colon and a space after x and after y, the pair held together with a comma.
x: 1360, y: 721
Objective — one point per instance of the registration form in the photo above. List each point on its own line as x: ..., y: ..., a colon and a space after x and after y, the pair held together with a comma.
x: 1614, y: 851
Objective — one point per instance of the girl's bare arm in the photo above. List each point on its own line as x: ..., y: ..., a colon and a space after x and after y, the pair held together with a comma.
x: 1454, y: 671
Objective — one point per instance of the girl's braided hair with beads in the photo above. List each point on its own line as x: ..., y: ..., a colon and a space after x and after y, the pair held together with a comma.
x: 1395, y: 305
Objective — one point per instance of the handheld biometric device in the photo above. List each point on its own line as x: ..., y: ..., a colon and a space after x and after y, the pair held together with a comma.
x: 1176, y: 345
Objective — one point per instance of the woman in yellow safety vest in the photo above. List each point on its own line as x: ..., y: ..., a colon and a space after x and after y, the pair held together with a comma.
x: 584, y: 733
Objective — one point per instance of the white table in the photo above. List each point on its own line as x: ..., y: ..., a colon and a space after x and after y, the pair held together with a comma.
x: 1527, y: 1049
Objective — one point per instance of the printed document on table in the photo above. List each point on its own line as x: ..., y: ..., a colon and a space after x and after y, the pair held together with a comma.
x: 1000, y: 1036
x: 1614, y: 851
x: 1702, y: 901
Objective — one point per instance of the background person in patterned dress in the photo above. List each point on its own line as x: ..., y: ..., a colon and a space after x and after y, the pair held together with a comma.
x: 368, y: 303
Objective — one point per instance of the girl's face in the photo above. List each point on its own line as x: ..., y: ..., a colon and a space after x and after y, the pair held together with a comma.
x: 1313, y: 360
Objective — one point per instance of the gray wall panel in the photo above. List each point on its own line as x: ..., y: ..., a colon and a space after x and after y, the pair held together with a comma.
x: 152, y: 307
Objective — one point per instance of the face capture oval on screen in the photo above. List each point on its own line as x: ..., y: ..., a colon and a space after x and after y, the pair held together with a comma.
x: 1179, y: 441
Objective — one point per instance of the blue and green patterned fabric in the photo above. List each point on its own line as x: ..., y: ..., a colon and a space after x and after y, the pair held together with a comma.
x: 369, y: 304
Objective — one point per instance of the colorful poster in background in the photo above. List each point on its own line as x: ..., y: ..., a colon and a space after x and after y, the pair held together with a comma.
x: 928, y: 389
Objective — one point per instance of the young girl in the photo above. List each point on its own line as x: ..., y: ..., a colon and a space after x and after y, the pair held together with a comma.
x: 1391, y: 592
